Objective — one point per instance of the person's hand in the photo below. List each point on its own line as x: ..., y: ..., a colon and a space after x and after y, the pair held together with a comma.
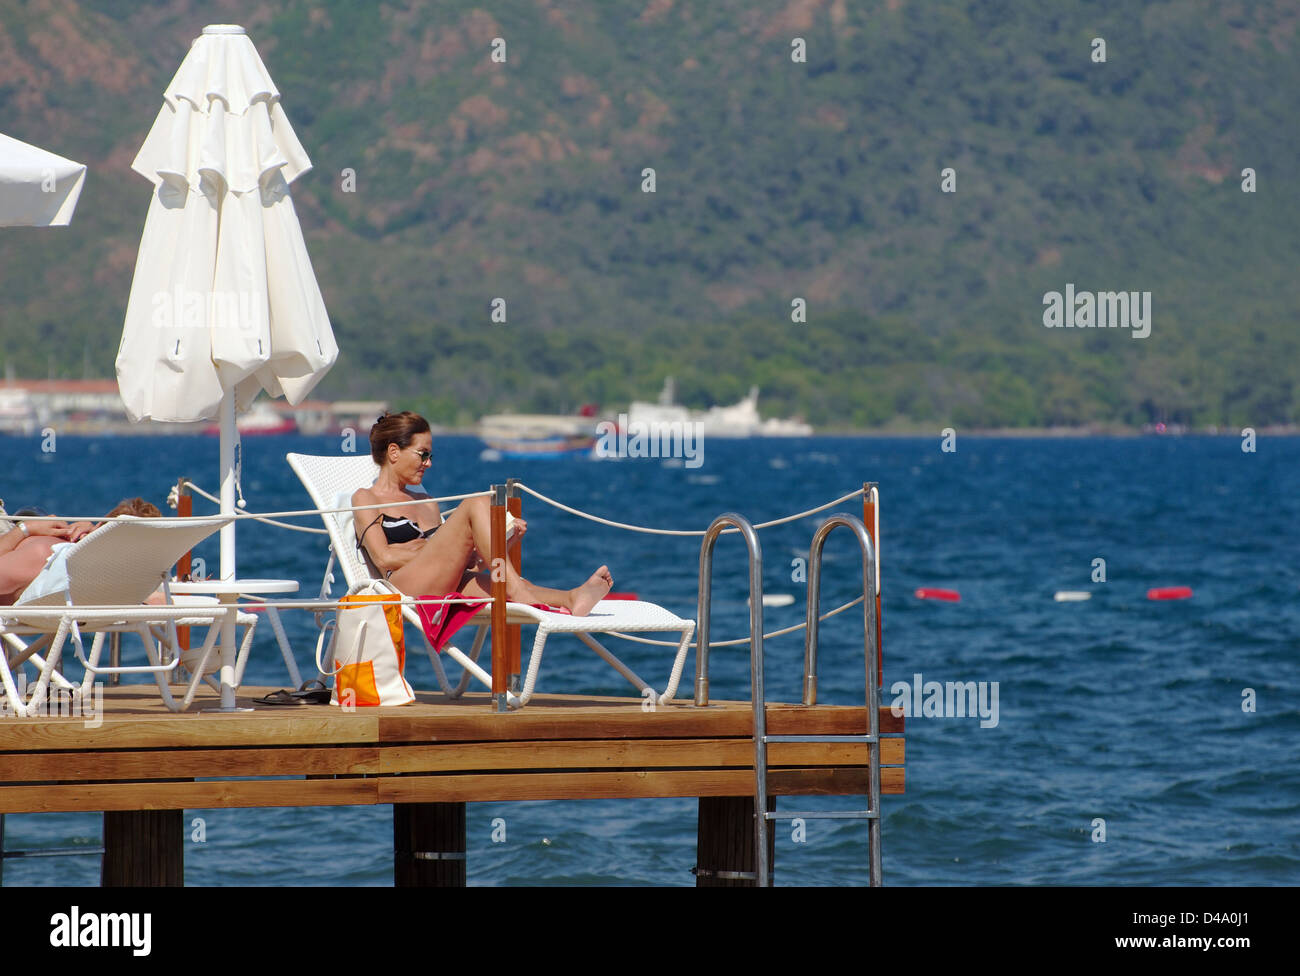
x: 54, y: 527
x: 519, y: 525
x: 79, y: 530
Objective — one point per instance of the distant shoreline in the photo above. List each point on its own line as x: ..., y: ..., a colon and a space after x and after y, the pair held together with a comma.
x: 1028, y: 433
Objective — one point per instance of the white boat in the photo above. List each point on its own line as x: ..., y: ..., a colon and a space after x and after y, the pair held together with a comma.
x: 17, y: 412
x: 737, y: 420
x: 539, y: 435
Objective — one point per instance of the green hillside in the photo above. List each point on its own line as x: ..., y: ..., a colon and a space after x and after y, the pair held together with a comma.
x: 775, y: 180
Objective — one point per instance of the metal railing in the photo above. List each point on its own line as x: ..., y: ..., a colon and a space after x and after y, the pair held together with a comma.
x: 762, y: 873
x: 872, y: 738
x: 755, y: 661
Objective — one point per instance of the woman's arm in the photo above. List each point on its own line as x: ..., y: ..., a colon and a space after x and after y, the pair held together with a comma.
x: 12, y: 539
x: 19, y: 567
x: 9, y: 541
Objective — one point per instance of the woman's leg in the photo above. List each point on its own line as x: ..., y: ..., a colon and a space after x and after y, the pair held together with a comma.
x: 577, y: 601
x: 457, y: 547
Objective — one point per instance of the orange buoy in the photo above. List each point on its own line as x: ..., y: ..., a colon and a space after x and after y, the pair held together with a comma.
x: 1169, y: 593
x: 934, y: 593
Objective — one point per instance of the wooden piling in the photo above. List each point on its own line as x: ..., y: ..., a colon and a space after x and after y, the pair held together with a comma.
x: 429, y: 845
x: 725, y: 844
x: 144, y: 849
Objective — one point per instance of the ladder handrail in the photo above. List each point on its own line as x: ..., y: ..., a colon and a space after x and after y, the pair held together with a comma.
x: 869, y: 582
x: 814, y: 600
x: 762, y: 872
x: 755, y: 663
x: 705, y: 600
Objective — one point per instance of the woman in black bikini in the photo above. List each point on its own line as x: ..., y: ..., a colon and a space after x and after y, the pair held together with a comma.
x: 420, y: 552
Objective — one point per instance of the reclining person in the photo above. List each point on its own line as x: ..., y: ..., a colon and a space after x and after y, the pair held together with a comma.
x: 23, y: 559
x: 421, y: 553
x: 14, y: 531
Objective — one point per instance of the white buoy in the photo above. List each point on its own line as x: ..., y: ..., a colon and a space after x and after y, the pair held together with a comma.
x: 1072, y: 596
x: 777, y: 599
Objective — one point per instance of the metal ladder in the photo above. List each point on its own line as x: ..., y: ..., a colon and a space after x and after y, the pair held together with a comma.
x: 762, y: 874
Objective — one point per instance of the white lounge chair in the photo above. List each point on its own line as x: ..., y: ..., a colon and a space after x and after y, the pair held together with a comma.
x: 110, y: 573
x: 331, y: 481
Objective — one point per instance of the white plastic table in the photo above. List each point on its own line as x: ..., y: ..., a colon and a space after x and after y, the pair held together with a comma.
x: 227, y: 592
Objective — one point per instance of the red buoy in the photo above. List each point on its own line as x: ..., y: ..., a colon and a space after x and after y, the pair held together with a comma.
x: 621, y: 596
x: 1169, y: 593
x: 934, y: 593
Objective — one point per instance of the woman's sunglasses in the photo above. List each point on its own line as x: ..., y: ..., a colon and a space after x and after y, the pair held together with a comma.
x: 424, y: 455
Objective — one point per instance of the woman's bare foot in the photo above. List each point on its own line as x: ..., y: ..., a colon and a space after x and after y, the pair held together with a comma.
x: 591, y: 592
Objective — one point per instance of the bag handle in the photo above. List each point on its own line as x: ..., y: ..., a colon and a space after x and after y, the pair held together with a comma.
x: 320, y: 642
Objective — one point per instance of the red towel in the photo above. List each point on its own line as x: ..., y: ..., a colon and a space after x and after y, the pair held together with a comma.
x: 442, y: 620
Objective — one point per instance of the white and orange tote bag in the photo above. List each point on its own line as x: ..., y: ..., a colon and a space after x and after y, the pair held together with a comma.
x: 369, y: 652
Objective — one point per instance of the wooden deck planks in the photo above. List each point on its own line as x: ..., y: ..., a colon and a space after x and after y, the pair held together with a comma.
x: 142, y: 757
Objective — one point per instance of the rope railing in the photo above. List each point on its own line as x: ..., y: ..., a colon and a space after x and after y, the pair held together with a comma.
x: 242, y: 514
x: 687, y: 532
x: 414, y: 601
x: 407, y: 601
x: 260, y: 516
x: 173, y: 501
x: 270, y: 518
x: 740, y: 640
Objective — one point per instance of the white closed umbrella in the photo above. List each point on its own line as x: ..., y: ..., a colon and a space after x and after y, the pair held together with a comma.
x: 224, y: 302
x: 37, y: 188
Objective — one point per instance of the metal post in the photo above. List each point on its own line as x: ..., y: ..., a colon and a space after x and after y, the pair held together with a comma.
x: 229, y: 447
x: 115, y: 655
x: 755, y: 664
x: 496, y: 560
x: 515, y: 507
x: 871, y: 518
x: 871, y: 650
x: 184, y: 508
x: 229, y: 444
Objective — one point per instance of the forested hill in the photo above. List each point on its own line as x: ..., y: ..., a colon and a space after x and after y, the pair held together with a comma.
x: 775, y: 179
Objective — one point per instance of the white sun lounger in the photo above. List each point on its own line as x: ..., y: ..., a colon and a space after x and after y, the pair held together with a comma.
x: 331, y: 482
x: 110, y: 573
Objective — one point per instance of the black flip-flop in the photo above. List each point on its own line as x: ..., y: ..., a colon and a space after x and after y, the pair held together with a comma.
x: 312, y: 692
x: 281, y: 697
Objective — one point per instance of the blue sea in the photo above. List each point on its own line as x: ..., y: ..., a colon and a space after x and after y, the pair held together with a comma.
x: 1137, y: 742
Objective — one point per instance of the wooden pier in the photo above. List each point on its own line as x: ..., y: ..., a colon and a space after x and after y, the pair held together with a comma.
x: 144, y: 764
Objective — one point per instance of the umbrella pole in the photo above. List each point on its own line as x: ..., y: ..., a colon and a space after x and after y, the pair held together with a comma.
x: 229, y: 438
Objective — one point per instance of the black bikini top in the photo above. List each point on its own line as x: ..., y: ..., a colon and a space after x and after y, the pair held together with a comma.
x: 397, y: 529
x: 402, y: 529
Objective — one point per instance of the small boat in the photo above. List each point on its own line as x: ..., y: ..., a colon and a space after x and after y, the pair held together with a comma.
x: 261, y: 419
x: 737, y: 420
x: 517, y: 435
x: 17, y: 412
